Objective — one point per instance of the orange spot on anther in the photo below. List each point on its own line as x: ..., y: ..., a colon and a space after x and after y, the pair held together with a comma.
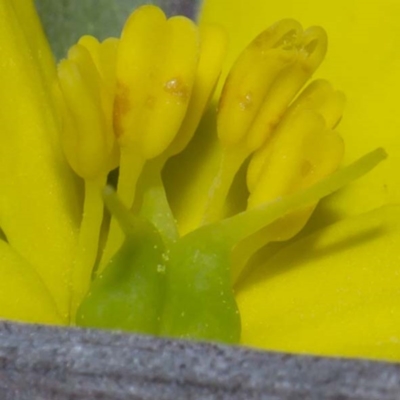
x: 122, y: 106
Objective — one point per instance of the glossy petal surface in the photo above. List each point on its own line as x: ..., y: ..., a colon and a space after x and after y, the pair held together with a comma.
x: 335, y: 293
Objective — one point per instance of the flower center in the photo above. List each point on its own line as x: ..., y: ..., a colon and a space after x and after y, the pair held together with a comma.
x: 201, y: 180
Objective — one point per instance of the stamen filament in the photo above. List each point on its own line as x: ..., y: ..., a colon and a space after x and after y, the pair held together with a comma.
x: 230, y: 162
x: 154, y: 203
x: 88, y: 242
x: 131, y: 166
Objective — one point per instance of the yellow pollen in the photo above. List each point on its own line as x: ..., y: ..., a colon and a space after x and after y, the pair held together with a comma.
x: 246, y: 101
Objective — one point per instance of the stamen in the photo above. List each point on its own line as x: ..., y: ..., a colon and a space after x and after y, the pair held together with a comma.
x: 286, y: 85
x: 213, y: 48
x: 89, y: 146
x: 87, y: 139
x: 156, y: 69
x: 151, y: 202
x: 140, y: 101
x: 243, y: 94
x: 104, y: 56
x: 251, y: 78
x: 302, y: 151
x: 318, y: 96
x: 256, y: 95
x: 284, y: 156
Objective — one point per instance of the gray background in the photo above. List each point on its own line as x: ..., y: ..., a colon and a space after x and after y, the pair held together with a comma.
x: 66, y: 20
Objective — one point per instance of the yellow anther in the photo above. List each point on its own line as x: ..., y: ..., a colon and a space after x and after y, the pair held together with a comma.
x: 242, y: 96
x: 284, y: 157
x: 261, y: 85
x: 257, y: 92
x: 302, y: 151
x: 321, y: 98
x: 104, y: 56
x: 156, y: 67
x: 251, y: 78
x: 260, y: 93
x: 87, y: 135
x: 212, y: 52
x: 311, y: 51
x: 92, y: 45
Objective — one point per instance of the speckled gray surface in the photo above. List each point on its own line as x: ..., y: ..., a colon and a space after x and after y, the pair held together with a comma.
x: 46, y: 363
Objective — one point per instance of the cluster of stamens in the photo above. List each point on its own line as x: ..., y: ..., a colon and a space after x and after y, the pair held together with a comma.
x: 182, y: 179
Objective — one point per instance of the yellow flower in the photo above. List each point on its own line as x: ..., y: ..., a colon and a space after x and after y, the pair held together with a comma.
x: 178, y: 237
x: 336, y: 290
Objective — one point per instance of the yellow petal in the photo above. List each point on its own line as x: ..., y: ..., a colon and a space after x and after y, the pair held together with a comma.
x: 30, y: 24
x: 363, y: 60
x: 38, y: 199
x: 335, y: 293
x: 23, y: 296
